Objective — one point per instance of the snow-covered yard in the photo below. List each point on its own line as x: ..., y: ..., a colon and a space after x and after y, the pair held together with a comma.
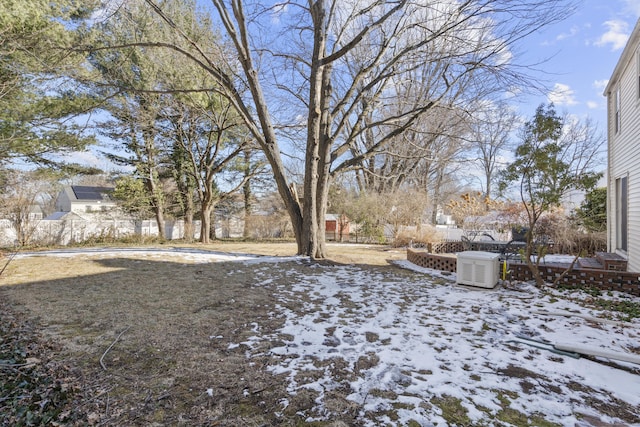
x: 407, y: 342
x: 408, y: 346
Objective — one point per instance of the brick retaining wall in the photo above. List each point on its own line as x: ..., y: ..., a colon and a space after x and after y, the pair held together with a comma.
x: 445, y: 247
x: 435, y: 262
x: 606, y: 280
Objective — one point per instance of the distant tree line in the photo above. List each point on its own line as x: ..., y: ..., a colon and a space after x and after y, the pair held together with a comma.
x: 329, y: 105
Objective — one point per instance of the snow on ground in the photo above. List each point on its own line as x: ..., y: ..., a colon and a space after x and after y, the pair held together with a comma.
x: 193, y: 255
x: 407, y: 338
x: 413, y: 339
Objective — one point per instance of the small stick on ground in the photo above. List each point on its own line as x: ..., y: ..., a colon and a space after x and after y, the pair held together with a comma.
x: 111, y: 346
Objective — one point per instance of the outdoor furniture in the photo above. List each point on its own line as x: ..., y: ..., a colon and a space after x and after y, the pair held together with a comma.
x: 466, y: 243
x: 507, y: 249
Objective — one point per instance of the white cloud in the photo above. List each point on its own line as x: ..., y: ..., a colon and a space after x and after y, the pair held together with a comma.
x: 562, y: 95
x: 277, y: 11
x: 616, y: 35
x: 592, y: 105
x: 633, y: 6
x: 601, y: 84
x: 572, y: 32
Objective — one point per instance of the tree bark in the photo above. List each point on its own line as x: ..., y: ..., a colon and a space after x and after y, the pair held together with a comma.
x: 312, y: 210
x: 189, y: 209
x: 246, y: 193
x: 205, y: 225
x: 158, y: 204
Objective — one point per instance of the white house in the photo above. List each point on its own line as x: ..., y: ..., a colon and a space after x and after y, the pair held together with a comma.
x: 84, y: 199
x: 623, y: 170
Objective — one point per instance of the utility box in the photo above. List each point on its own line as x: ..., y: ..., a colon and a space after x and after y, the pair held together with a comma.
x: 477, y: 268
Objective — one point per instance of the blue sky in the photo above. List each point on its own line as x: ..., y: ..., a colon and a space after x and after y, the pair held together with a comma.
x: 583, y: 51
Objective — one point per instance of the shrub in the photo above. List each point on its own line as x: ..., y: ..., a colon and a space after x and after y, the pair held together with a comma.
x: 416, y: 237
x: 276, y: 225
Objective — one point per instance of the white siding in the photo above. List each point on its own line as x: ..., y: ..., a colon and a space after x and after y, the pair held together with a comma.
x: 624, y: 154
x: 63, y: 203
x: 93, y: 206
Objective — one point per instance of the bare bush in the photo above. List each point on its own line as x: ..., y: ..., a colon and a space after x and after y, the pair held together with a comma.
x: 276, y: 225
x: 567, y: 238
x: 416, y: 236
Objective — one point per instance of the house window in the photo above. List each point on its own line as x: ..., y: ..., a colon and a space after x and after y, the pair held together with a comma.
x: 621, y: 213
x: 616, y: 101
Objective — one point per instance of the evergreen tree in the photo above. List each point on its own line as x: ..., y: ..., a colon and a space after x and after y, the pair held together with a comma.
x: 592, y: 213
x: 543, y: 173
x: 38, y: 95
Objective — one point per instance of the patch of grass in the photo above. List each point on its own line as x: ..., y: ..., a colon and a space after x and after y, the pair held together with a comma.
x: 403, y: 405
x: 629, y: 309
x: 452, y: 410
x: 515, y: 417
x: 385, y: 394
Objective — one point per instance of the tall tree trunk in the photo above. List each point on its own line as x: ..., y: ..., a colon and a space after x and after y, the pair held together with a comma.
x: 436, y: 196
x: 161, y: 224
x: 324, y: 163
x: 315, y: 179
x: 246, y: 192
x: 189, y: 210
x: 152, y: 179
x: 314, y: 129
x: 157, y: 200
x: 487, y: 194
x: 205, y: 225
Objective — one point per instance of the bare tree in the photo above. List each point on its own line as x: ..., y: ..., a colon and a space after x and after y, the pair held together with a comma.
x: 461, y: 49
x: 211, y: 137
x: 166, y: 131
x: 491, y: 129
x: 411, y: 157
x: 20, y: 197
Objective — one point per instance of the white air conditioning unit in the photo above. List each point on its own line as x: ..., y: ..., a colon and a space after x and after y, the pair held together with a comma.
x: 478, y: 268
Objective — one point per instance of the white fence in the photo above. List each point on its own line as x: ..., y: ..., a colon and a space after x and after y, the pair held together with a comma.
x: 71, y: 230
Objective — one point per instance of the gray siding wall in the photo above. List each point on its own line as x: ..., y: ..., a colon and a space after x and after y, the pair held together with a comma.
x: 624, y: 159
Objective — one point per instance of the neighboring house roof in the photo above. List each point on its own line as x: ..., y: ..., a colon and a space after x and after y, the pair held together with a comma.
x: 87, y: 193
x: 335, y: 217
x: 625, y: 58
